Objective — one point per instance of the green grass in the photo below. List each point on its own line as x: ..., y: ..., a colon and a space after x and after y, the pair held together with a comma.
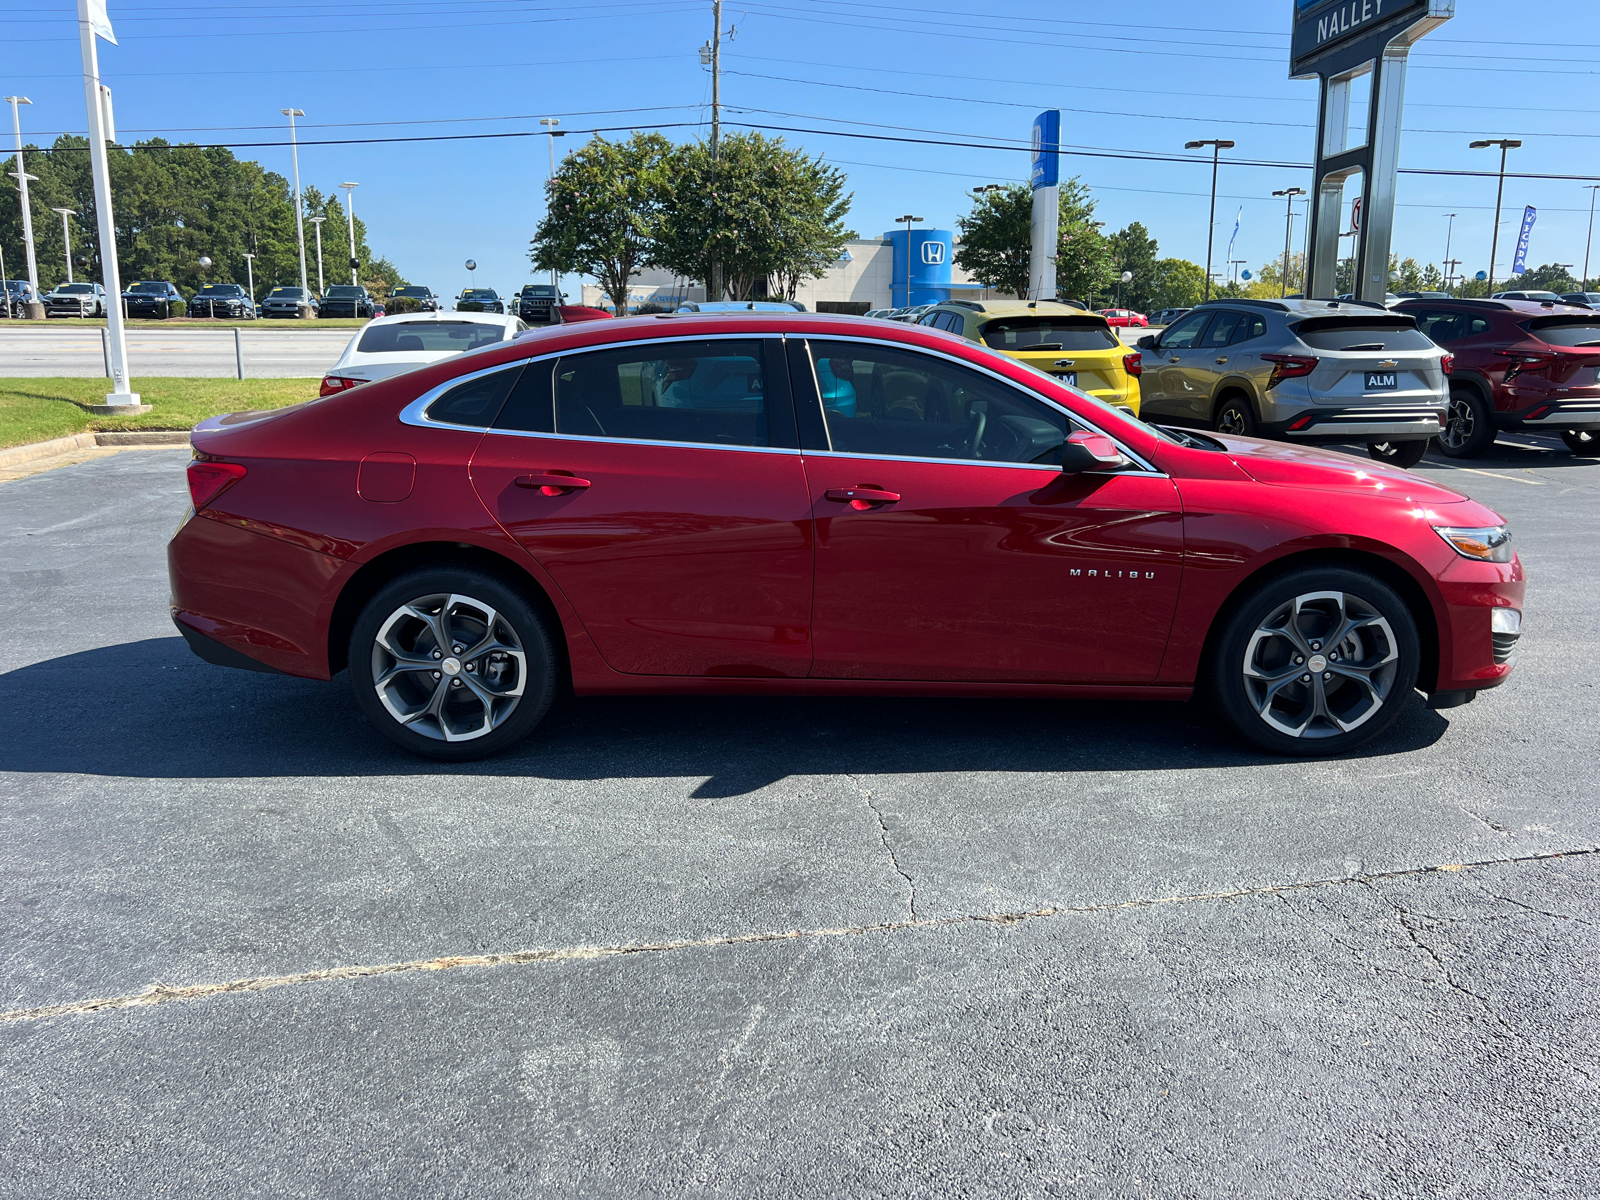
x: 34, y: 410
x: 197, y: 323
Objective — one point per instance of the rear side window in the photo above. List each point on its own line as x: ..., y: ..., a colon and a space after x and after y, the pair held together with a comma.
x: 1224, y: 327
x: 1563, y: 331
x: 435, y: 337
x: 1048, y: 333
x: 475, y: 402
x: 1362, y: 334
x: 1249, y: 329
x: 1443, y: 327
x: 712, y: 392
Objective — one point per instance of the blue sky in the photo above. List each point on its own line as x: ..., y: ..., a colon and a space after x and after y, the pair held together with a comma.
x: 1144, y: 77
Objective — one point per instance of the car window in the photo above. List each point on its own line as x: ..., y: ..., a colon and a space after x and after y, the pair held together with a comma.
x: 345, y: 290
x: 1223, y: 328
x: 709, y: 391
x: 1182, y: 335
x: 1048, y: 333
x: 1479, y: 325
x: 1375, y: 335
x: 1250, y: 328
x: 1442, y: 326
x: 881, y: 400
x: 1565, y: 331
x: 432, y: 337
x: 476, y: 402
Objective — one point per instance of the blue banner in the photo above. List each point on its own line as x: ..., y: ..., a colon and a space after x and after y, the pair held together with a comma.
x: 1047, y: 149
x: 1239, y: 217
x: 1520, y: 263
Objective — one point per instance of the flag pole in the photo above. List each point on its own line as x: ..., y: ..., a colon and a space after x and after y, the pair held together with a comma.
x: 92, y: 23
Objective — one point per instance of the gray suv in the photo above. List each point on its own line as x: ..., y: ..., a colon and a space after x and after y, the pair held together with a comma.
x: 1313, y: 371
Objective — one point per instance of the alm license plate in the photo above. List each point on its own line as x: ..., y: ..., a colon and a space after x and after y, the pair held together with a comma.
x: 1382, y: 381
x: 1070, y: 378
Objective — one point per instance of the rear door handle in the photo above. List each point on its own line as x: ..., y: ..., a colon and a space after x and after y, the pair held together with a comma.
x: 1222, y: 360
x: 861, y: 498
x: 1174, y: 358
x: 552, y: 483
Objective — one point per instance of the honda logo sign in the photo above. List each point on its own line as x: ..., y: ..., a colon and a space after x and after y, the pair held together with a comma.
x: 933, y: 253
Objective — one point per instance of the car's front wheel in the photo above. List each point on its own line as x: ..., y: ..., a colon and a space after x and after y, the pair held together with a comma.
x: 1582, y: 442
x: 1316, y: 661
x: 1468, y: 428
x: 452, y: 663
x: 1397, y: 454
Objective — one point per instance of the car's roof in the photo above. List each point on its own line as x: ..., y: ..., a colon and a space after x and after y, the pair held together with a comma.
x: 439, y: 318
x: 1018, y: 308
x: 1532, y: 308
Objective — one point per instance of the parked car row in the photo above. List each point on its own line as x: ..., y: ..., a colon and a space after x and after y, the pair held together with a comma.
x: 161, y: 299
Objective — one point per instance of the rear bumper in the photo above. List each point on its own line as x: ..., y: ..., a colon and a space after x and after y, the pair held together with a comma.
x: 1579, y: 414
x: 1411, y: 423
x: 217, y: 653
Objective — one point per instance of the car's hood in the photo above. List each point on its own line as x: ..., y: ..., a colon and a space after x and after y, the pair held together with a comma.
x: 1313, y: 467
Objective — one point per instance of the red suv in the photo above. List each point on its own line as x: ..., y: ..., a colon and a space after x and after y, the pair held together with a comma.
x: 773, y: 503
x: 1519, y: 364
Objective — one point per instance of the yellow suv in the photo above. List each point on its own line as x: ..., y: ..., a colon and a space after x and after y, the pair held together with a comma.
x: 1076, y: 346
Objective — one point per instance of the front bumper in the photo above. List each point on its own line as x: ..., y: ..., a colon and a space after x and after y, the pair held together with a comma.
x: 1473, y: 655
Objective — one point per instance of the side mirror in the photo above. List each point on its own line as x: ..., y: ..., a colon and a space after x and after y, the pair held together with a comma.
x: 1147, y: 342
x: 1085, y: 451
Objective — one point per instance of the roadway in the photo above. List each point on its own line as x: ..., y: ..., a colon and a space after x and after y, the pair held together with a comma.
x: 275, y: 352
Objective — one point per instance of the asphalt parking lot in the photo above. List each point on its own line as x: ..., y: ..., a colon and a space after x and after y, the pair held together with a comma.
x: 281, y: 350
x: 817, y: 947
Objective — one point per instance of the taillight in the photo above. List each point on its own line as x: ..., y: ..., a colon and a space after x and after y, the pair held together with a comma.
x: 1288, y: 366
x: 1522, y: 363
x: 338, y: 383
x: 208, y: 479
x: 1447, y: 364
x: 1133, y: 364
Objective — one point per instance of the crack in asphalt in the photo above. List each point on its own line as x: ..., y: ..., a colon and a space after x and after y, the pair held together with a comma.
x: 888, y: 847
x: 163, y: 993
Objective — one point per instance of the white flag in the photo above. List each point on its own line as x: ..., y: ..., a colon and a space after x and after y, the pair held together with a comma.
x: 100, y: 22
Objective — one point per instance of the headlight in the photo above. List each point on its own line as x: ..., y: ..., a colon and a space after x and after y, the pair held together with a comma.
x: 1491, y: 543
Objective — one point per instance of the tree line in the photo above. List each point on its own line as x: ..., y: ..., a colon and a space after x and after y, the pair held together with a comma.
x: 767, y: 216
x: 172, y: 206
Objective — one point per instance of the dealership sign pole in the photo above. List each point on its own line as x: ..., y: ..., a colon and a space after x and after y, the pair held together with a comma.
x: 1044, y: 229
x: 1349, y: 44
x: 93, y: 23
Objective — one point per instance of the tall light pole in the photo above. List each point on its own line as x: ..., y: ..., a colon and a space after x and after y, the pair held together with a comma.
x: 1449, y: 232
x: 550, y: 124
x: 22, y: 188
x: 1217, y: 147
x: 711, y: 55
x: 1588, y: 245
x: 66, y: 235
x: 317, y: 221
x: 1288, y: 227
x: 1494, y: 241
x: 350, y: 218
x: 908, y: 219
x: 299, y: 212
x: 250, y: 269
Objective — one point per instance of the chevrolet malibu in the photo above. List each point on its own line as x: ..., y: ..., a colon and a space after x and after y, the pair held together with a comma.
x: 787, y: 503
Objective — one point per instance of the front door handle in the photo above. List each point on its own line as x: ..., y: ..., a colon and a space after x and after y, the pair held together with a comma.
x: 1222, y: 360
x: 861, y: 498
x: 552, y: 483
x: 1174, y: 358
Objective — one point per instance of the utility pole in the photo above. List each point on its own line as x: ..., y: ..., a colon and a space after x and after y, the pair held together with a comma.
x: 1588, y: 245
x: 1217, y: 147
x: 250, y: 268
x: 321, y: 287
x: 1288, y: 227
x: 1449, y: 232
x: 350, y: 216
x: 550, y: 124
x: 299, y: 211
x: 1494, y: 241
x: 908, y: 219
x: 712, y: 54
x: 22, y: 187
x: 66, y: 236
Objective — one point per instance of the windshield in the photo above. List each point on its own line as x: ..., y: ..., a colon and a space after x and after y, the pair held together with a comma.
x: 345, y: 289
x: 221, y: 289
x: 1371, y: 334
x: 421, y: 292
x: 479, y: 294
x: 158, y: 288
x: 429, y: 337
x: 1047, y: 333
x: 76, y: 288
x: 1566, y: 331
x: 539, y: 289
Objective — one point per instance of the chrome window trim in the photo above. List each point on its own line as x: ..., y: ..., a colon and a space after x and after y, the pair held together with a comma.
x: 415, y: 413
x: 619, y: 441
x: 1147, y: 467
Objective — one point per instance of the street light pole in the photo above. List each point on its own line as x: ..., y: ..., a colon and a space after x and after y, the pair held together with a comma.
x: 22, y: 188
x: 1494, y: 241
x: 908, y: 219
x: 66, y: 236
x: 1593, y: 187
x: 550, y: 124
x: 321, y: 286
x: 299, y: 211
x: 1288, y: 231
x: 350, y: 216
x: 250, y: 268
x: 1217, y: 147
x: 1449, y: 232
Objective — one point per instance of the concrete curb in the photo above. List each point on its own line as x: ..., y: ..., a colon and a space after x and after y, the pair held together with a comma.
x: 88, y: 441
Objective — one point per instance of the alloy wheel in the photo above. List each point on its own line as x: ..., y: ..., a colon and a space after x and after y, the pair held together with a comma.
x: 1460, y: 423
x: 1320, y: 665
x: 1233, y: 419
x: 449, y: 667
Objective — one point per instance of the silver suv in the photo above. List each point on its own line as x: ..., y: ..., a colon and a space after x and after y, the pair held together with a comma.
x: 1313, y: 371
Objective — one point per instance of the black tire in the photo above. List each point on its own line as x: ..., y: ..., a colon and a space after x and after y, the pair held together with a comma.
x: 1290, y: 617
x: 1234, y: 414
x: 1397, y: 454
x: 1469, y: 427
x: 448, y: 709
x: 1585, y: 443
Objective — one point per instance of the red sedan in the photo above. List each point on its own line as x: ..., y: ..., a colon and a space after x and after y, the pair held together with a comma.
x: 1124, y: 317
x: 789, y: 503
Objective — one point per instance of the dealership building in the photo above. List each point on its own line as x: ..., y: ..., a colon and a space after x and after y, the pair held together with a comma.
x: 869, y: 273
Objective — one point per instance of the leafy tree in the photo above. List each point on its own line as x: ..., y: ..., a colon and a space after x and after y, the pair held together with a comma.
x: 603, y: 205
x: 1084, y: 266
x: 1552, y: 277
x: 993, y: 245
x: 1135, y: 251
x: 1179, y: 284
x: 762, y: 211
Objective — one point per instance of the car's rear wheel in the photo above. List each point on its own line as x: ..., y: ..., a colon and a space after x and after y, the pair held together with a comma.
x: 1316, y: 661
x: 1398, y: 454
x: 1582, y: 442
x: 1234, y: 415
x: 1468, y: 428
x: 452, y: 663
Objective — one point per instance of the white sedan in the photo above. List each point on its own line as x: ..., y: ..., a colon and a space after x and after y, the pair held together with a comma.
x: 390, y: 345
